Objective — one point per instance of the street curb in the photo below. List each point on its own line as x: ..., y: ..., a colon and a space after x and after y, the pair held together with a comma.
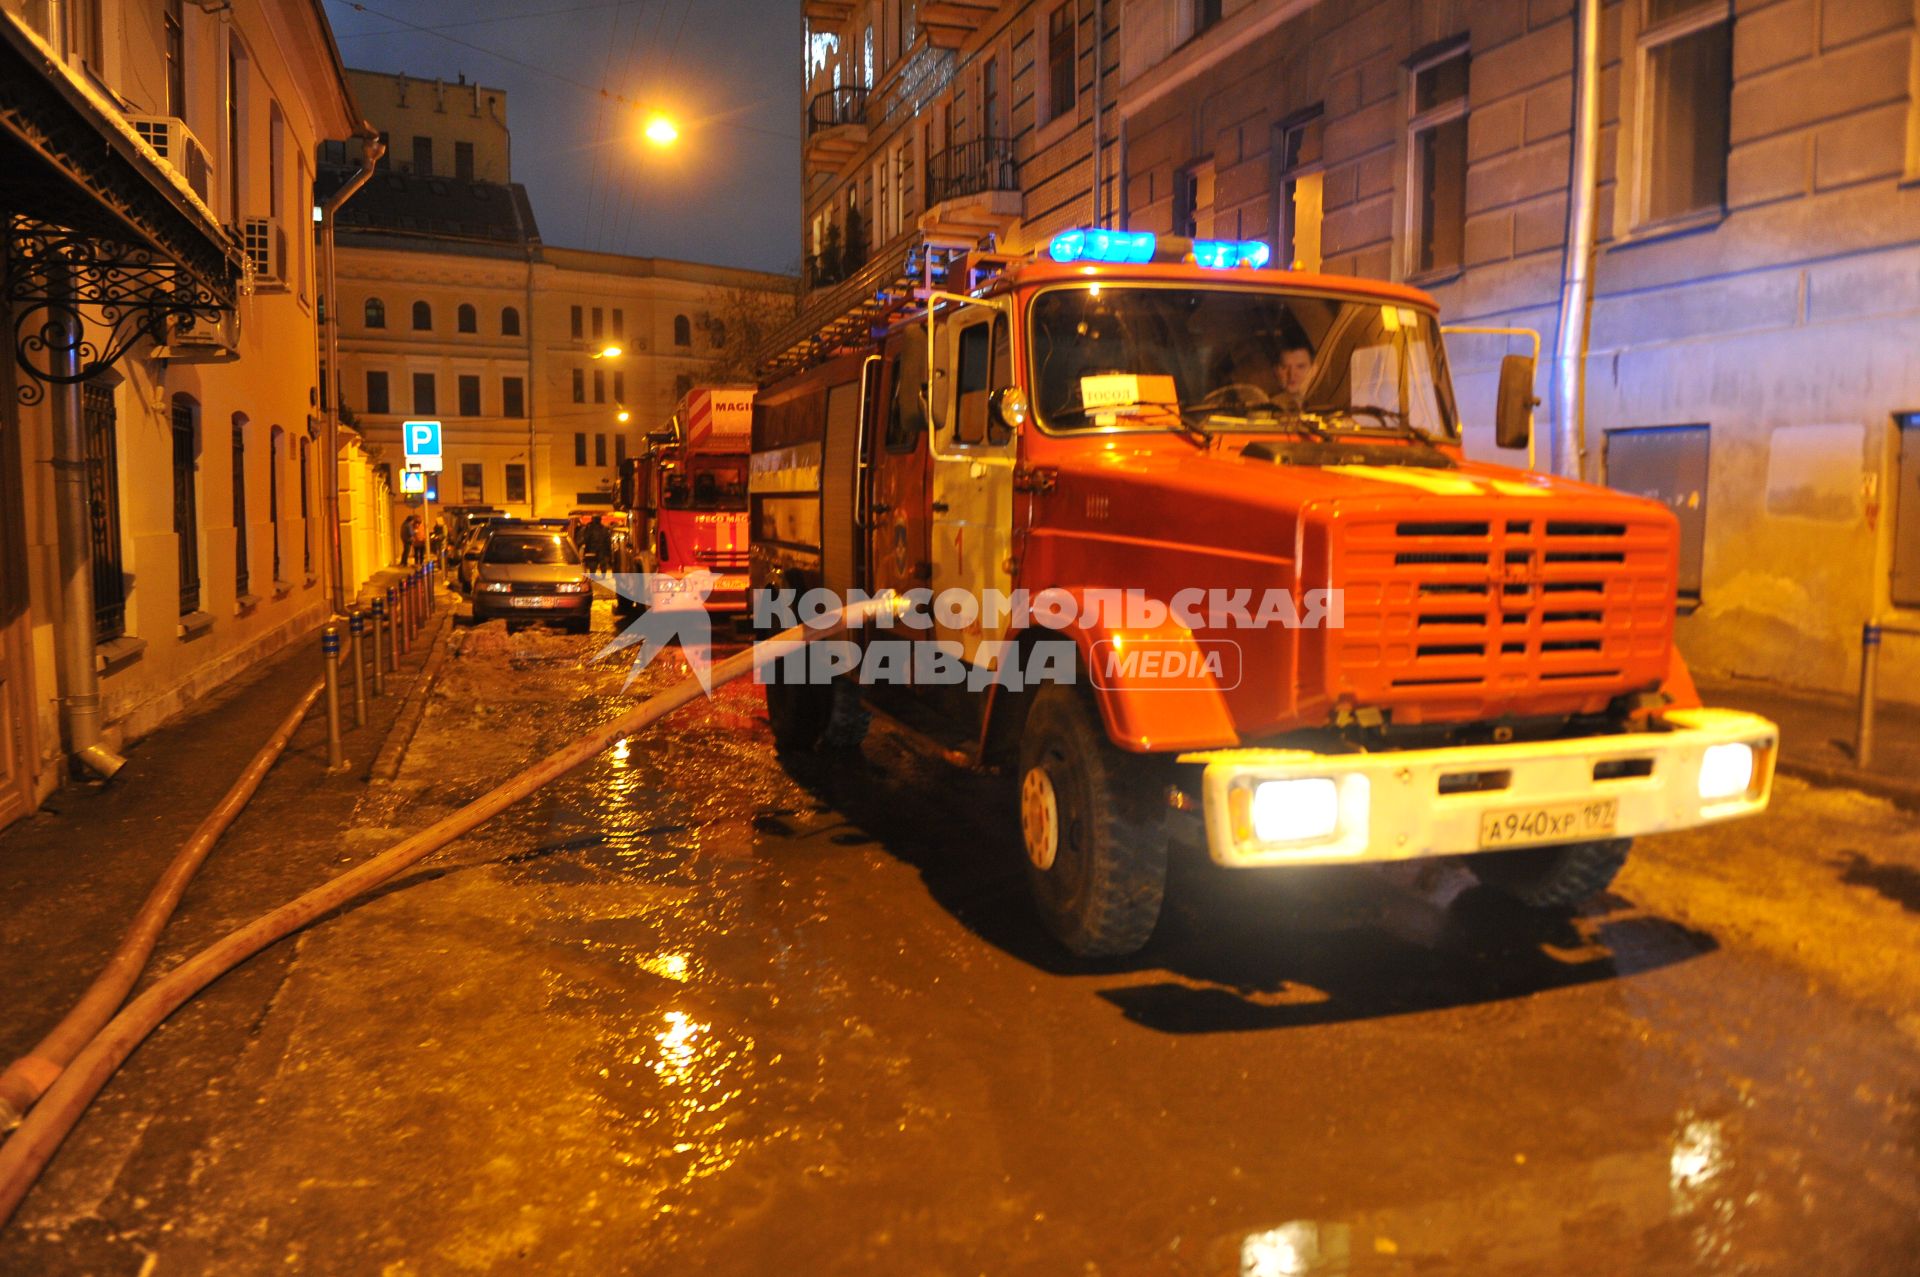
x: 386, y: 765
x: 1902, y: 794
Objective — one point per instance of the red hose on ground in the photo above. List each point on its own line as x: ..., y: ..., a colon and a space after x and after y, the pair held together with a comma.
x: 27, y: 1153
x: 28, y: 1077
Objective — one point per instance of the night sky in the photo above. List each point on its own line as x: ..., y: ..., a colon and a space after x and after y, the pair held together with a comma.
x: 727, y: 71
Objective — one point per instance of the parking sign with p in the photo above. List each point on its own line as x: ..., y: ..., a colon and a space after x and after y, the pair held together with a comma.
x: 422, y: 443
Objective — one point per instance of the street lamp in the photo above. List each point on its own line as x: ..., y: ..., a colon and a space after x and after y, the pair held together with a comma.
x: 661, y: 131
x: 623, y: 416
x: 609, y: 352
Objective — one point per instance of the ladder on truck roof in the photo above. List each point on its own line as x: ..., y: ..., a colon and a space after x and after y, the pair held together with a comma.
x: 850, y: 315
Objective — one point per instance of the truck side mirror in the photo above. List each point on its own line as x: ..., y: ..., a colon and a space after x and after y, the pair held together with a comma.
x: 1006, y: 413
x: 1513, y: 413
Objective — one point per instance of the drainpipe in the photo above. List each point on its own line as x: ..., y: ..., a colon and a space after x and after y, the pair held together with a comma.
x: 1576, y: 286
x: 79, y: 679
x: 372, y: 148
x: 1099, y: 56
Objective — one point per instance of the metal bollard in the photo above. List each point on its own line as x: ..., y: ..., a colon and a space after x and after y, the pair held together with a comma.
x: 1869, y: 693
x: 379, y: 663
x: 330, y: 657
x: 432, y: 604
x: 356, y: 644
x: 397, y: 631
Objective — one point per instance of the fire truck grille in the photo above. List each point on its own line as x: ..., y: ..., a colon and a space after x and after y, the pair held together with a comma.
x: 723, y: 560
x: 1493, y: 610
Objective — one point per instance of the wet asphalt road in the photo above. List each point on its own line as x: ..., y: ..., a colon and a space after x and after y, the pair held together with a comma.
x: 691, y: 1010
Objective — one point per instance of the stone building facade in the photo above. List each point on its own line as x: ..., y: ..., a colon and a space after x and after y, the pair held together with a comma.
x: 452, y: 308
x: 1757, y: 280
x: 204, y: 542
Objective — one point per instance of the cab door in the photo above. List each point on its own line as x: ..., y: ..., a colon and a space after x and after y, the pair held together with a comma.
x: 973, y: 460
x: 896, y: 515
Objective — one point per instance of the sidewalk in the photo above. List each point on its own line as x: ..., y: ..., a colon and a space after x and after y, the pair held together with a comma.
x: 75, y: 872
x: 1817, y: 736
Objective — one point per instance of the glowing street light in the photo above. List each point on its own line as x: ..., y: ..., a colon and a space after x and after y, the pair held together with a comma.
x: 661, y: 131
x: 623, y: 416
x: 609, y: 352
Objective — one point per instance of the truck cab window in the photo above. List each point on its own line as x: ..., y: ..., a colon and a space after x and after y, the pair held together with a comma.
x: 973, y: 379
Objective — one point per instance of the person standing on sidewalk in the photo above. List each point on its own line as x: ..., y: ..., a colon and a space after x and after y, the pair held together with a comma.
x: 407, y: 530
x: 436, y: 541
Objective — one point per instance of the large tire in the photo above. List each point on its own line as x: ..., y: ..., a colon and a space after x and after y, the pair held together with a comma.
x: 1552, y: 877
x: 1093, y: 822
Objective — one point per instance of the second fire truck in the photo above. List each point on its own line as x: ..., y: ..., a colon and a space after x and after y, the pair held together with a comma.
x: 685, y: 496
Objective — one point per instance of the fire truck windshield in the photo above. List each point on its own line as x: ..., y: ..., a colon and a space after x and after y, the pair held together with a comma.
x: 1237, y: 359
x: 706, y: 483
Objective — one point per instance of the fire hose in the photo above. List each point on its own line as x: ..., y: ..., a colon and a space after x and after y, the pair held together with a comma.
x: 26, y: 1154
x: 28, y: 1077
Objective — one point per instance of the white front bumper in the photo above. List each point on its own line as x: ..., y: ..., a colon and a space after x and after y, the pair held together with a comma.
x: 1392, y: 808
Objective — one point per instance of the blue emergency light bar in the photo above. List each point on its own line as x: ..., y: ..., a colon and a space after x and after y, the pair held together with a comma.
x: 1225, y: 254
x: 1128, y: 248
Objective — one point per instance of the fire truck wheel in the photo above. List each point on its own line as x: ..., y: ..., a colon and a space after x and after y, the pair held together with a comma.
x: 798, y: 713
x: 1094, y: 828
x: 1553, y: 877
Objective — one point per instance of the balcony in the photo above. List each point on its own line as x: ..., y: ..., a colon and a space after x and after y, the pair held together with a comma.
x: 948, y: 23
x: 828, y: 11
x: 836, y: 127
x: 973, y: 189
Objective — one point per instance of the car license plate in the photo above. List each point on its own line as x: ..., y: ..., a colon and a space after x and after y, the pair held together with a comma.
x: 532, y: 600
x: 1576, y: 821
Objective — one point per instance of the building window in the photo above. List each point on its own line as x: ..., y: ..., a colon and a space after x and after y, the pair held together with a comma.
x: 377, y: 400
x: 619, y: 387
x: 423, y: 394
x: 579, y: 448
x: 579, y: 323
x: 472, y: 484
x: 599, y: 450
x: 88, y: 39
x: 468, y: 387
x: 306, y: 515
x: 1906, y: 515
x: 241, y: 577
x: 599, y: 323
x: 463, y: 161
x: 186, y: 506
x: 422, y: 317
x: 509, y: 322
x: 513, y: 397
x: 516, y: 481
x: 174, y: 29
x: 619, y: 322
x: 276, y: 441
x: 682, y: 331
x: 467, y: 319
x: 1437, y: 164
x: 1205, y: 14
x: 990, y: 99
x: 236, y: 134
x: 717, y: 333
x: 619, y: 449
x: 103, y: 510
x: 1296, y: 238
x: 682, y: 383
x: 1193, y: 201
x: 376, y: 315
x: 866, y: 57
x: 1686, y: 77
x: 579, y: 385
x: 599, y: 386
x: 423, y: 157
x: 1061, y: 58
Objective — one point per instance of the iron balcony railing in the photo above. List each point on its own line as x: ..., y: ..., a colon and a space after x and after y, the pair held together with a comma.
x: 835, y: 107
x: 972, y: 168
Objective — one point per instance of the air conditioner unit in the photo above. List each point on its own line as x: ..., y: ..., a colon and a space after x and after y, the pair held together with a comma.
x: 203, y: 341
x: 265, y: 243
x: 176, y: 144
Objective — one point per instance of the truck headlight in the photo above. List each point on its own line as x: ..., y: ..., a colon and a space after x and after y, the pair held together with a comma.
x: 1726, y: 771
x: 1305, y: 810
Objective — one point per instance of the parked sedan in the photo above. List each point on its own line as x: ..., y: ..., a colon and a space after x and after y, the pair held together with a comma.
x: 532, y: 575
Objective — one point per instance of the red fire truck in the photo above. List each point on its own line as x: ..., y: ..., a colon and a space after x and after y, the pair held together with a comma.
x: 685, y: 496
x: 1466, y: 660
